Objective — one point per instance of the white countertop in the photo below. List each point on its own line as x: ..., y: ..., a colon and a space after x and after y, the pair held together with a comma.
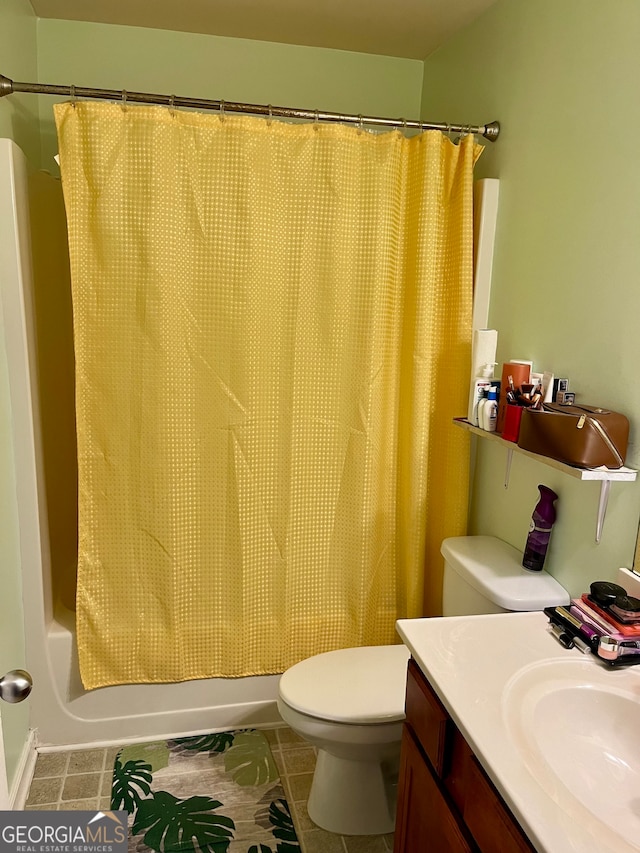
x: 478, y: 665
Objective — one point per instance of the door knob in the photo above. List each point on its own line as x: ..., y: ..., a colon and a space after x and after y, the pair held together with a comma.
x: 15, y: 686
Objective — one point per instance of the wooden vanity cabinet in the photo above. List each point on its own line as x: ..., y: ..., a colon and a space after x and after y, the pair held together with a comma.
x: 446, y: 802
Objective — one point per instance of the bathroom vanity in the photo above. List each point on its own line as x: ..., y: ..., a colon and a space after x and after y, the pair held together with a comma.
x: 514, y: 744
x: 446, y: 802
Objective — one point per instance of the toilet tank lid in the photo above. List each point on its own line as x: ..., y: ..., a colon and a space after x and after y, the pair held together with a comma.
x: 494, y: 569
x: 360, y: 685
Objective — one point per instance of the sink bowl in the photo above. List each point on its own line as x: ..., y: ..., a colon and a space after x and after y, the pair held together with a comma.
x: 576, y: 725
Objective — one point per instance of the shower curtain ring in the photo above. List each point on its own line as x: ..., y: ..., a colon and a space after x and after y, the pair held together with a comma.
x: 270, y: 119
x: 360, y: 123
x: 221, y: 110
x: 124, y: 100
x: 316, y: 120
x: 72, y: 92
x: 172, y: 104
x: 405, y: 127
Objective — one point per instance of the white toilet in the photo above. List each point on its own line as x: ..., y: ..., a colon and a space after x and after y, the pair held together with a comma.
x: 350, y: 703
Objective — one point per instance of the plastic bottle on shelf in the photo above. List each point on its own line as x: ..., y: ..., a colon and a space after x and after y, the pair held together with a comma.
x: 482, y: 402
x: 479, y: 389
x: 542, y: 520
x: 490, y: 410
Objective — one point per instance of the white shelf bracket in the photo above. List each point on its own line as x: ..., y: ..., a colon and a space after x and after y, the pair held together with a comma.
x: 605, y: 486
x: 507, y: 470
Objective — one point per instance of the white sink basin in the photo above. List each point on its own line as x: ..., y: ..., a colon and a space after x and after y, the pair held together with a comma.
x: 576, y: 726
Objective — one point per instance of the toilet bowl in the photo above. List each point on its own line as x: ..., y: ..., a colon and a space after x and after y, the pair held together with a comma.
x: 350, y: 705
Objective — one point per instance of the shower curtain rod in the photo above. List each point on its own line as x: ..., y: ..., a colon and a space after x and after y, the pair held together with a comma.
x: 490, y: 131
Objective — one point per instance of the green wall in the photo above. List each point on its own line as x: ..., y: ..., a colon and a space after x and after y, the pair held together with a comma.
x: 18, y: 121
x: 562, y: 79
x: 18, y: 61
x: 138, y: 59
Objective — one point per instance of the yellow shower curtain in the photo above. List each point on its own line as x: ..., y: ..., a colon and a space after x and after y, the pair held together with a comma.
x: 272, y: 335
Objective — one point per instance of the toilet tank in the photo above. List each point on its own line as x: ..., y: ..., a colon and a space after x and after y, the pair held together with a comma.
x: 483, y: 574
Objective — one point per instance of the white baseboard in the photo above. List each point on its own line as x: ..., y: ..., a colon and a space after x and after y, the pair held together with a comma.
x: 24, y: 774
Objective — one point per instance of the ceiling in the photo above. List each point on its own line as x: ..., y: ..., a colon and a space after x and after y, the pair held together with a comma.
x: 406, y: 28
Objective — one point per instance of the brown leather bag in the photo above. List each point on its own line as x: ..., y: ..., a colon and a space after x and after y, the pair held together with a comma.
x: 584, y: 436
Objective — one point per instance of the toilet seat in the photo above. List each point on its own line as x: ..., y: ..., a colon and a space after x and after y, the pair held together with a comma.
x: 365, y: 685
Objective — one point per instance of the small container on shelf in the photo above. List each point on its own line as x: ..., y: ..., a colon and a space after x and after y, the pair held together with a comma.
x: 512, y: 418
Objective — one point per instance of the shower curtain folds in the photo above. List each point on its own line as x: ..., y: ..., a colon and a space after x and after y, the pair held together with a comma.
x: 272, y: 330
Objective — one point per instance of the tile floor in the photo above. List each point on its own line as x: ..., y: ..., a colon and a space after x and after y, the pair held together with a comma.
x: 82, y: 780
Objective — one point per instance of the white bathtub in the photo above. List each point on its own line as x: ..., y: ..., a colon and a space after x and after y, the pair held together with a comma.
x: 63, y: 712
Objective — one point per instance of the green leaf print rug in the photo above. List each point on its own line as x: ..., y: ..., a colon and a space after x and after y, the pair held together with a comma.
x: 217, y: 793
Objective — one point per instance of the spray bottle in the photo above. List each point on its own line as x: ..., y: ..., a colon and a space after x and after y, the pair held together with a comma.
x: 542, y: 520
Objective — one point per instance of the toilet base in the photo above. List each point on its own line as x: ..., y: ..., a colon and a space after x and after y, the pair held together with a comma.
x: 353, y: 797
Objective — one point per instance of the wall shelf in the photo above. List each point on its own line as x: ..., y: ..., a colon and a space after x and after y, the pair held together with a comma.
x: 605, y: 476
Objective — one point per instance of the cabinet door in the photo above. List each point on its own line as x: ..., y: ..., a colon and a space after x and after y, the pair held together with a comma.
x: 425, y: 822
x: 427, y: 718
x: 491, y: 823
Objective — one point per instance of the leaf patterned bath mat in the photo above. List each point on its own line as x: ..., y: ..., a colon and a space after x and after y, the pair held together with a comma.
x: 217, y: 793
